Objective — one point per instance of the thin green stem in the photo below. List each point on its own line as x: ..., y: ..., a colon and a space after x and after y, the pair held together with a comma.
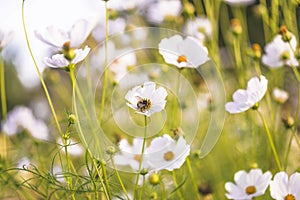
x: 238, y: 61
x: 3, y: 92
x: 192, y: 176
x: 270, y: 140
x: 39, y: 72
x: 119, y: 178
x: 3, y: 104
x: 288, y: 151
x: 105, y: 66
x: 141, y: 159
x: 176, y: 185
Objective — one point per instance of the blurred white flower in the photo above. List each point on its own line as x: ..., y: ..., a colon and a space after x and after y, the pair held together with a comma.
x: 166, y: 153
x: 22, y: 118
x: 181, y: 52
x: 245, y: 99
x: 131, y: 155
x: 280, y: 96
x: 240, y: 2
x: 59, y: 38
x: 248, y: 185
x: 5, y: 38
x: 114, y: 27
x: 158, y: 11
x: 284, y: 188
x: 74, y: 148
x: 146, y: 99
x: 58, y: 173
x: 120, y: 5
x: 280, y: 53
x: 199, y: 27
x: 61, y: 61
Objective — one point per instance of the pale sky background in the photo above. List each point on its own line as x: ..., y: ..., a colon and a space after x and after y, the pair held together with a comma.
x: 38, y: 15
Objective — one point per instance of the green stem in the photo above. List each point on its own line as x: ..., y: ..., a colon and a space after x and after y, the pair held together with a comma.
x: 3, y: 104
x: 270, y: 140
x: 192, y: 176
x: 176, y: 185
x: 238, y: 61
x: 3, y: 93
x: 119, y: 178
x: 76, y: 90
x: 288, y: 151
x: 141, y: 159
x: 105, y: 66
x: 39, y: 72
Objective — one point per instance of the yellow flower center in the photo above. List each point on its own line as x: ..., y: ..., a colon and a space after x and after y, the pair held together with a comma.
x: 289, y: 197
x: 169, y: 156
x: 143, y: 104
x: 250, y: 189
x: 137, y: 157
x: 181, y: 59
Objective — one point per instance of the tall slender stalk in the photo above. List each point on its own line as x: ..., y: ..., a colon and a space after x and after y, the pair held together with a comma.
x: 270, y: 140
x: 39, y: 72
x: 105, y: 66
x: 141, y: 159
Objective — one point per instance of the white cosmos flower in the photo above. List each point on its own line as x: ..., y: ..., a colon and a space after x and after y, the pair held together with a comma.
x: 240, y: 2
x: 58, y: 38
x: 166, y: 153
x: 114, y: 26
x: 245, y: 99
x: 131, y: 155
x: 158, y: 11
x: 278, y: 53
x: 280, y: 96
x: 21, y: 118
x: 181, y: 52
x: 248, y: 185
x: 146, y: 99
x: 200, y: 27
x: 60, y: 61
x: 5, y: 38
x: 284, y: 188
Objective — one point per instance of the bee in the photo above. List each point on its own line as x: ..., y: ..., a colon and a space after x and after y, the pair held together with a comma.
x: 143, y: 104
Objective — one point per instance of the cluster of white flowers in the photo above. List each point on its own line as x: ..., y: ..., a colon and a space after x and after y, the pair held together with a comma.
x: 255, y: 183
x: 66, y: 43
x: 163, y: 153
x: 22, y: 118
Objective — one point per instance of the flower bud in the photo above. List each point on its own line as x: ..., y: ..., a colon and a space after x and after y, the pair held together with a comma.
x: 154, y: 179
x: 189, y: 8
x: 66, y: 136
x: 144, y: 171
x: 111, y: 150
x: 285, y: 56
x: 288, y: 122
x: 153, y: 196
x: 285, y: 34
x: 236, y: 27
x: 256, y: 51
x: 71, y: 119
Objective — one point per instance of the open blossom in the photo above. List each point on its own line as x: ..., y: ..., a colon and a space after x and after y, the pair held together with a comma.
x: 146, y: 99
x: 284, y: 188
x: 131, y: 154
x: 280, y: 53
x: 240, y: 2
x: 4, y: 39
x: 61, y: 60
x: 248, y: 185
x: 183, y: 52
x: 200, y: 28
x: 21, y: 118
x: 158, y: 11
x: 167, y: 153
x: 245, y: 99
x: 279, y: 95
x: 57, y: 38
